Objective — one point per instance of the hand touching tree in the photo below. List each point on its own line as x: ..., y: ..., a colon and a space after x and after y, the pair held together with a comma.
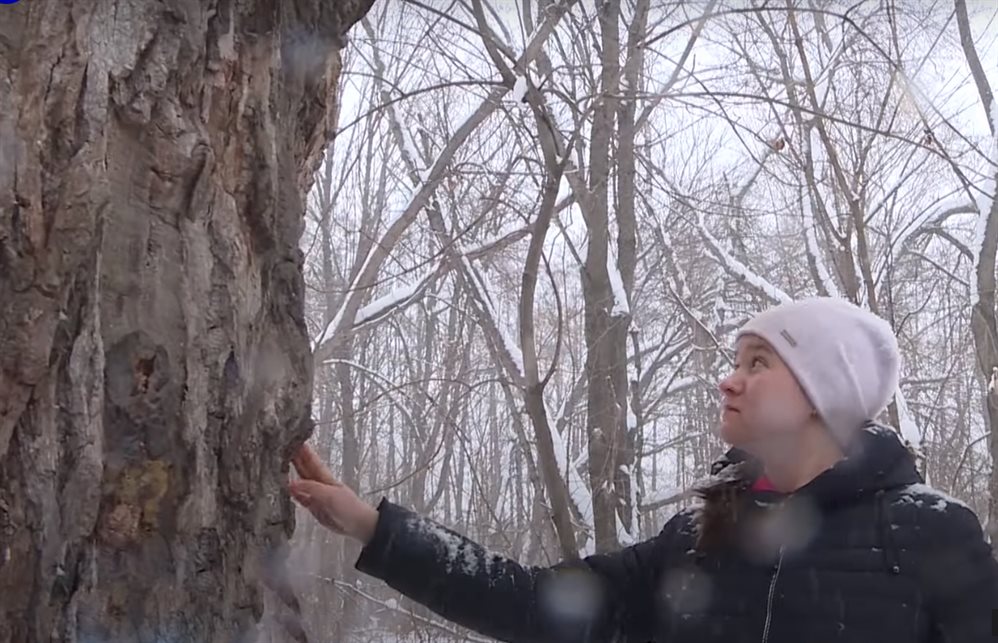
x: 331, y: 502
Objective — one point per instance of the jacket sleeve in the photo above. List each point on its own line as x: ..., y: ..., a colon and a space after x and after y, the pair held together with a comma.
x: 599, y: 599
x: 961, y: 578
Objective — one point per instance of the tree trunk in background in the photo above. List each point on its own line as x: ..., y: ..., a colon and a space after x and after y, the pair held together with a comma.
x: 604, y: 348
x: 626, y: 389
x: 983, y: 312
x: 154, y: 362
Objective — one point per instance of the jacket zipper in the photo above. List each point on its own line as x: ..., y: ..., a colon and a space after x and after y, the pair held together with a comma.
x: 769, y: 600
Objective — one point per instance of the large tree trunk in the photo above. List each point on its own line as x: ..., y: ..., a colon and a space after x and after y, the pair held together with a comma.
x: 154, y: 362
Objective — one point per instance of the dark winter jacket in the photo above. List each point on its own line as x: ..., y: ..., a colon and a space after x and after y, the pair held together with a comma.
x: 863, y: 553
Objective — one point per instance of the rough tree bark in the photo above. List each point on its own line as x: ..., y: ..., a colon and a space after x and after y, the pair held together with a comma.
x: 154, y: 362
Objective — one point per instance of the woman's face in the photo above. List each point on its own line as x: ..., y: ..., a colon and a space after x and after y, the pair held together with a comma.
x: 762, y: 399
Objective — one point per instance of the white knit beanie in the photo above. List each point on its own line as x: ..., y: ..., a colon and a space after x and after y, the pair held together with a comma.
x: 845, y: 358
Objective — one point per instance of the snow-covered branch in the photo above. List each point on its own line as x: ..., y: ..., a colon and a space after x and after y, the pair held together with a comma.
x: 397, y: 299
x: 340, y: 325
x: 814, y: 249
x: 740, y: 270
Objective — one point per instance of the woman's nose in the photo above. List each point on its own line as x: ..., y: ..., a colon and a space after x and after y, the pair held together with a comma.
x: 730, y: 385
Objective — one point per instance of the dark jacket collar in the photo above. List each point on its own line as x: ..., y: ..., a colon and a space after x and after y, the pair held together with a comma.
x: 876, y: 460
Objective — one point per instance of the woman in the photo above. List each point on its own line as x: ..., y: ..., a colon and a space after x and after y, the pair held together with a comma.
x: 814, y: 527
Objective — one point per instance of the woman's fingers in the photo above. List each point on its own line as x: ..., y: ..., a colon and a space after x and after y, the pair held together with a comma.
x: 336, y: 507
x: 300, y: 465
x: 309, y: 467
x: 323, y: 501
x: 299, y: 491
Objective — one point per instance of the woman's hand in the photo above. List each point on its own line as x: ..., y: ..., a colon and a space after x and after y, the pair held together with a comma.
x: 332, y: 503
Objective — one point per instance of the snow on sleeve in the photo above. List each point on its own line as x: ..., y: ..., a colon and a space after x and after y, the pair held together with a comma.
x: 740, y: 270
x: 922, y: 495
x: 460, y: 555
